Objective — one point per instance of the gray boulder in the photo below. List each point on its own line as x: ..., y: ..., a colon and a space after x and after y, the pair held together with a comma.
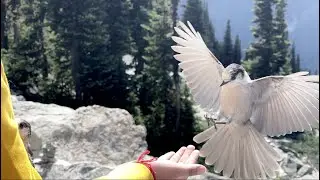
x: 90, y: 137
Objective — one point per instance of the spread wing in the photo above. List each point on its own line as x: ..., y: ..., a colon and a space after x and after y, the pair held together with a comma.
x: 200, y: 67
x: 286, y: 104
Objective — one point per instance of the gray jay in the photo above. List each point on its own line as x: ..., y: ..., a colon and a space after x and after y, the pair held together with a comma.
x: 250, y: 109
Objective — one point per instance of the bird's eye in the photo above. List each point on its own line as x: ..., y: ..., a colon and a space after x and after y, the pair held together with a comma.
x: 21, y: 126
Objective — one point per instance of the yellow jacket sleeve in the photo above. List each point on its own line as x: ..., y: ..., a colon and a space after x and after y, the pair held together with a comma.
x: 129, y: 171
x: 15, y: 163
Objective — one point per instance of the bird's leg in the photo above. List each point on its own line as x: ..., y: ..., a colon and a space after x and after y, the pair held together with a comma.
x: 213, y: 120
x: 218, y: 122
x: 210, y: 119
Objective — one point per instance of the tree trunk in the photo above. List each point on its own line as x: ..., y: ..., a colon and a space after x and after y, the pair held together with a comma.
x: 75, y: 65
x: 15, y: 11
x: 176, y: 77
x: 4, y: 43
x: 42, y: 14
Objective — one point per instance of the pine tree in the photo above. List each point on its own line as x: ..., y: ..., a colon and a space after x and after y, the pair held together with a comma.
x: 297, y: 64
x: 117, y: 20
x: 65, y: 20
x: 293, y: 58
x: 176, y: 76
x: 209, y: 33
x: 160, y: 117
x: 237, y: 50
x: 260, y: 53
x: 14, y: 6
x: 227, y: 49
x: 281, y: 41
x: 27, y: 62
x: 194, y: 13
x: 138, y: 16
x: 3, y: 23
x: 158, y: 85
x: 95, y: 36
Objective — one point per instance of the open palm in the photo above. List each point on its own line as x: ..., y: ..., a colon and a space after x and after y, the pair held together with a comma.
x: 178, y: 165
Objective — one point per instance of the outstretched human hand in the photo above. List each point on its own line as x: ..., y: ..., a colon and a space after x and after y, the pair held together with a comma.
x: 179, y: 165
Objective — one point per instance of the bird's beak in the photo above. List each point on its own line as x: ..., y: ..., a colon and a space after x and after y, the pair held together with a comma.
x: 223, y: 83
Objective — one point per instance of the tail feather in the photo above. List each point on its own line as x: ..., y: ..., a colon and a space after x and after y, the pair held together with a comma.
x: 230, y: 163
x: 222, y: 161
x: 267, y: 162
x: 213, y: 154
x: 264, y: 145
x: 206, y: 134
x: 209, y: 147
x: 239, y: 151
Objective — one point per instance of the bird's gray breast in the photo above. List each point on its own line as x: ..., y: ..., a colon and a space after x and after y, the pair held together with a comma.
x: 236, y: 101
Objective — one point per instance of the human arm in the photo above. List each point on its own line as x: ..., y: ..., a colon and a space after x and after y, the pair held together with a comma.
x: 172, y: 165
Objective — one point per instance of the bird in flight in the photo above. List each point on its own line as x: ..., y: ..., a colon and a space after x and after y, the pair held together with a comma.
x: 247, y: 110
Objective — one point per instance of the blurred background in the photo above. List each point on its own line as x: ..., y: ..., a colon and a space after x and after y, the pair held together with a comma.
x: 117, y: 54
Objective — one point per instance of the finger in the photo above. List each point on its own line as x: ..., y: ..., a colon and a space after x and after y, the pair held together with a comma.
x: 193, y: 158
x: 166, y: 156
x: 186, y: 154
x: 178, y: 154
x: 187, y: 170
x: 195, y: 169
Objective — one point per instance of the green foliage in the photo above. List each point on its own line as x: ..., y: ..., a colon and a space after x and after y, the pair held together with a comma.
x: 281, y: 61
x: 227, y: 49
x: 307, y: 145
x: 138, y: 16
x: 209, y: 33
x: 269, y: 53
x: 27, y: 65
x: 194, y: 12
x: 260, y: 52
x: 71, y: 53
x: 237, y: 51
x: 197, y: 13
x: 158, y: 91
x: 293, y: 60
x: 297, y: 64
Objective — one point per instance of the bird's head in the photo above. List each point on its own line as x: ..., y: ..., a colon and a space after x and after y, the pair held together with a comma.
x: 233, y: 72
x: 24, y: 129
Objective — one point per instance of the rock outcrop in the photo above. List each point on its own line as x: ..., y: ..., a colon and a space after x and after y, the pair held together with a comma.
x: 90, y: 141
x: 83, y: 143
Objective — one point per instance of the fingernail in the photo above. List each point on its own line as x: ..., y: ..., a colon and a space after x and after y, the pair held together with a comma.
x: 202, y: 169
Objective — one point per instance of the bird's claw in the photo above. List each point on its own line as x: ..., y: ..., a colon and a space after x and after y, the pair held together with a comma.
x: 213, y: 120
x: 215, y: 125
x: 210, y: 119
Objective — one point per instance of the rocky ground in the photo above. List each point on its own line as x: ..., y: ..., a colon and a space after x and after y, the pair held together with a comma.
x: 89, y: 142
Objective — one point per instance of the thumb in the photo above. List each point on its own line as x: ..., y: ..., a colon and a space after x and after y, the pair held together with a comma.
x: 187, y: 170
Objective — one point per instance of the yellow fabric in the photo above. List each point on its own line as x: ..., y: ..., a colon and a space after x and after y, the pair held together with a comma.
x: 15, y: 163
x: 129, y: 171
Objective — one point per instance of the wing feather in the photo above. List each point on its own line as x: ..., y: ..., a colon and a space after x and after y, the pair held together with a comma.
x: 286, y: 104
x: 202, y: 70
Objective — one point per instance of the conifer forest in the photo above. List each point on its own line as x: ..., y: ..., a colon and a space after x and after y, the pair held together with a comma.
x: 117, y: 54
